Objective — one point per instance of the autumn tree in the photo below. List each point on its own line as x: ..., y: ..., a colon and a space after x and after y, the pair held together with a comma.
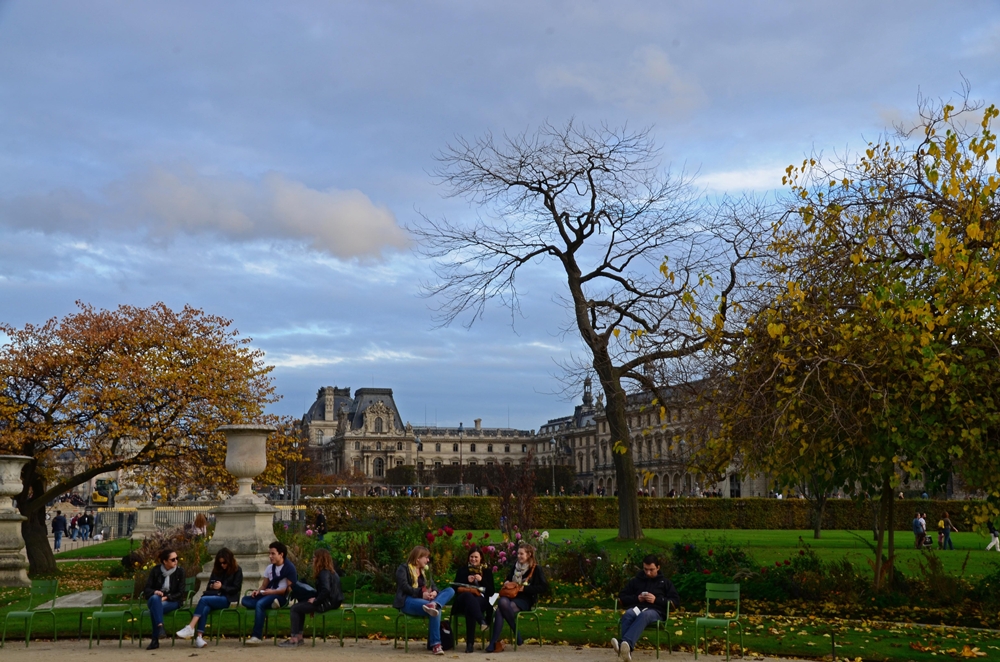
x: 649, y: 271
x: 136, y: 389
x: 878, y: 357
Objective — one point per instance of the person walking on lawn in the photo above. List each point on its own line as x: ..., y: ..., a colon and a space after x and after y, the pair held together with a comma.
x: 948, y: 528
x: 995, y: 535
x: 645, y: 599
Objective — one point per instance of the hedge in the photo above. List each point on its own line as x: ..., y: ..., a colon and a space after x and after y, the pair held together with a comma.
x: 655, y: 513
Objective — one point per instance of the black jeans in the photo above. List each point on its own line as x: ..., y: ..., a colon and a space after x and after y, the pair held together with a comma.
x: 297, y: 615
x: 473, y: 607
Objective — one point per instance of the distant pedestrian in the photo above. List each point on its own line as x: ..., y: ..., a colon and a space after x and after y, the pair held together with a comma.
x: 995, y: 543
x: 948, y: 528
x: 59, y: 528
x: 74, y: 527
x: 918, y: 532
x: 86, y: 522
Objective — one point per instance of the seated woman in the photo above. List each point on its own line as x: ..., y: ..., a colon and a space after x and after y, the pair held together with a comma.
x: 328, y: 596
x: 416, y: 594
x: 525, y: 581
x: 224, y: 586
x: 164, y: 593
x: 473, y: 603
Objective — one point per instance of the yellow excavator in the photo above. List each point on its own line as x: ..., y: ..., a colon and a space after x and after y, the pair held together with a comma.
x: 104, y: 492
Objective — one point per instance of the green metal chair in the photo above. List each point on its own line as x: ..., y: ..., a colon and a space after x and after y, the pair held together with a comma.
x: 233, y: 608
x: 113, y: 607
x: 347, y: 585
x: 729, y: 592
x: 42, y: 591
x: 248, y: 616
x: 659, y: 626
x: 406, y: 629
x: 186, y: 606
x: 517, y: 622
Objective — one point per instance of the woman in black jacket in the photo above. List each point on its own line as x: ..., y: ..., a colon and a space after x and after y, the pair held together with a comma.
x: 527, y: 581
x: 328, y: 596
x: 224, y: 585
x: 472, y: 600
x: 164, y: 593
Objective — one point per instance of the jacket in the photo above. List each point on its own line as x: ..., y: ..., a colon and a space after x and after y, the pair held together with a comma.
x: 231, y: 585
x: 661, y: 588
x: 405, y: 588
x: 535, y: 587
x: 328, y: 594
x: 154, y: 583
x: 59, y: 524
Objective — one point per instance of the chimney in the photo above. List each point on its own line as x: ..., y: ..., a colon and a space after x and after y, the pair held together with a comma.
x: 479, y: 424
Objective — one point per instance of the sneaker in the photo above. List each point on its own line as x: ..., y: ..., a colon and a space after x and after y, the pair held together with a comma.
x: 253, y: 641
x: 289, y: 643
x: 431, y: 611
x: 200, y: 642
x: 186, y: 632
x: 614, y: 645
x: 437, y: 650
x: 483, y: 626
x: 276, y: 604
x: 626, y: 652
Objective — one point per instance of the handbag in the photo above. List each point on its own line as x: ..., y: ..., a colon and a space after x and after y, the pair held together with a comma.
x: 470, y: 589
x: 509, y: 591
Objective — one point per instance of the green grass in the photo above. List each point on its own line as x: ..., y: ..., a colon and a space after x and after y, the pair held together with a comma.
x: 110, y: 549
x: 770, y: 546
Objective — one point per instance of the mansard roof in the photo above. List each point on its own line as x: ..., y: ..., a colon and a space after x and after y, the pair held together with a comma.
x: 365, y: 398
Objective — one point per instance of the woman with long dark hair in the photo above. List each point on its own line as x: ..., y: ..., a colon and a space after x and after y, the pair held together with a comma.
x: 223, y: 589
x: 472, y: 600
x: 525, y: 581
x: 328, y: 596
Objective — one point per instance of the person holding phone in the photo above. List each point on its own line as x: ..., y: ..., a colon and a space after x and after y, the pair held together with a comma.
x: 224, y: 585
x: 645, y: 599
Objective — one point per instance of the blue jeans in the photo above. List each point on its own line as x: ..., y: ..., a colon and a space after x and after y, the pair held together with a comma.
x: 632, y: 625
x: 205, y: 606
x: 415, y: 607
x: 947, y: 540
x: 157, y: 607
x: 85, y: 532
x: 260, y: 605
x: 58, y: 535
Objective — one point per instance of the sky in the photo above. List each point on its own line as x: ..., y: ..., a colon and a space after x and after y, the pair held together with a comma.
x: 263, y: 160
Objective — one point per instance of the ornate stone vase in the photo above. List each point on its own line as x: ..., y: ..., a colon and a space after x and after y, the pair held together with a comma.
x: 246, y: 454
x: 13, y: 562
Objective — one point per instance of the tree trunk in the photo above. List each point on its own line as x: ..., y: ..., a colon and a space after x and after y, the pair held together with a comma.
x: 891, y: 535
x: 35, y: 530
x: 885, y: 501
x: 819, y: 505
x: 629, y: 525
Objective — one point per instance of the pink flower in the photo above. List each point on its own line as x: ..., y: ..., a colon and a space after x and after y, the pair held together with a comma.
x: 491, y: 549
x: 430, y: 537
x: 494, y: 568
x: 440, y: 532
x: 518, y: 536
x: 309, y: 532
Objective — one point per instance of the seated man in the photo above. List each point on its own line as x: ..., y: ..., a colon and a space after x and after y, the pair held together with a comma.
x: 278, y: 579
x: 645, y: 600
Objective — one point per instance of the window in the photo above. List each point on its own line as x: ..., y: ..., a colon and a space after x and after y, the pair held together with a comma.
x: 472, y: 463
x: 378, y: 467
x: 399, y: 445
x: 437, y: 465
x: 472, y: 448
x: 524, y: 448
x: 454, y: 463
x: 437, y: 447
x: 378, y: 425
x: 506, y: 449
x: 420, y: 447
x: 454, y: 448
x: 489, y: 448
x: 357, y: 445
x: 734, y: 486
x: 420, y: 465
x: 319, y: 437
x: 357, y: 466
x: 489, y: 463
x: 378, y: 445
x: 507, y: 463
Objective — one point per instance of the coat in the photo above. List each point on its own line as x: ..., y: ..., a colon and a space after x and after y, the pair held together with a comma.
x: 232, y: 585
x: 328, y: 593
x: 405, y: 588
x: 154, y: 583
x: 535, y: 587
x: 662, y: 589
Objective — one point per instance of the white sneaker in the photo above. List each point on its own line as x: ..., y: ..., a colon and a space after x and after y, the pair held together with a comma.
x: 276, y: 604
x: 626, y: 652
x: 200, y: 643
x: 431, y: 611
x: 186, y: 633
x: 253, y: 641
x: 614, y: 645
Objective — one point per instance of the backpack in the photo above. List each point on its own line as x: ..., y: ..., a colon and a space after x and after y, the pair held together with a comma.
x: 447, y: 639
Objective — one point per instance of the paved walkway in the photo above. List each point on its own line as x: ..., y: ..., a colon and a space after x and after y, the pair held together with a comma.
x: 363, y: 651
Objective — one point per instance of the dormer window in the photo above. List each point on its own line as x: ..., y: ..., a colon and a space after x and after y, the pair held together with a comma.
x: 378, y: 425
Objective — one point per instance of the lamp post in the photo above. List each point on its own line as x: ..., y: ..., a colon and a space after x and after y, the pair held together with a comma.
x: 555, y: 449
x: 416, y: 463
x: 461, y: 467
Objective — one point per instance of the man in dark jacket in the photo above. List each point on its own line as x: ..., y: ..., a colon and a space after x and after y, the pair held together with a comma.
x: 59, y: 527
x: 645, y: 598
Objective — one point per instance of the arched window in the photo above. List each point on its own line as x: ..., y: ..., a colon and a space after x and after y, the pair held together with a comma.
x: 399, y: 445
x: 437, y: 448
x: 472, y: 448
x: 378, y: 425
x: 489, y: 448
x: 454, y: 448
x: 357, y: 445
x: 378, y: 468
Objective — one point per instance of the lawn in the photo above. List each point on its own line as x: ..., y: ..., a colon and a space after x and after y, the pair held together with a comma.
x: 111, y: 549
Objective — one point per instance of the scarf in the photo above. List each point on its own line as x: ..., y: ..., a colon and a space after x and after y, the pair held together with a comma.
x: 166, y: 577
x: 415, y: 574
x: 476, y: 570
x: 521, y: 571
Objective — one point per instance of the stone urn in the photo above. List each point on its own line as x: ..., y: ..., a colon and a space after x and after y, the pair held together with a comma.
x: 246, y: 455
x: 13, y: 561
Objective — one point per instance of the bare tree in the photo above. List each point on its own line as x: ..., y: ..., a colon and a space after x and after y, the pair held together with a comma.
x: 639, y: 252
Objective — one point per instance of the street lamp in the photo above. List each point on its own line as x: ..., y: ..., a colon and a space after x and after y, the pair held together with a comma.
x: 461, y: 467
x: 552, y: 443
x: 416, y: 464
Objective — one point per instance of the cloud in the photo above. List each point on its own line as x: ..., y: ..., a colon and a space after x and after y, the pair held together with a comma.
x: 750, y: 179
x: 649, y: 80
x: 167, y: 202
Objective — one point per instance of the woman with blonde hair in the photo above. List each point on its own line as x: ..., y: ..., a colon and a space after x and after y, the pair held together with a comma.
x: 417, y: 595
x: 525, y: 582
x: 328, y: 596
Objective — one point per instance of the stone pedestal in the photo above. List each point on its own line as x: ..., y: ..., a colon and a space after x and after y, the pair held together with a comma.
x: 13, y: 559
x: 244, y: 523
x: 145, y: 521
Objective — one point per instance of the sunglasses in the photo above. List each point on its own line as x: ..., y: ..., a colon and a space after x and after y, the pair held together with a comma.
x: 173, y: 558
